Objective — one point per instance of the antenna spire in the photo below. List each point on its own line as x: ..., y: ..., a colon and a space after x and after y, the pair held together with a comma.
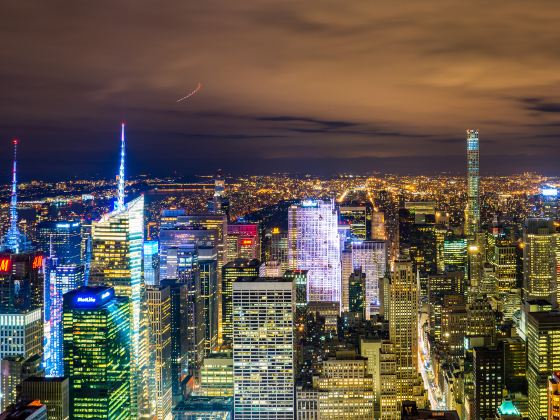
x: 14, y: 240
x: 120, y: 196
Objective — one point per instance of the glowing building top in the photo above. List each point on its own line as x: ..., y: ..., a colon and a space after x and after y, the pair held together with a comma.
x: 121, y: 180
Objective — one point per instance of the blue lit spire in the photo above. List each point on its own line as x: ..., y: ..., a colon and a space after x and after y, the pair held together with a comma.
x: 14, y: 240
x: 120, y: 196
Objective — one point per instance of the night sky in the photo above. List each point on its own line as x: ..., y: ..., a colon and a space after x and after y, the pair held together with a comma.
x: 318, y: 86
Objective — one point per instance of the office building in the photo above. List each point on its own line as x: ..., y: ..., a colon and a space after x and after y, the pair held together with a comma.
x: 25, y: 410
x: 554, y: 396
x: 263, y: 359
x: 62, y: 278
x: 488, y: 375
x: 539, y: 260
x: 313, y: 245
x: 204, y: 408
x: 356, y: 286
x: 232, y: 272
x: 543, y: 358
x: 13, y: 371
x: 158, y: 299
x: 54, y: 393
x: 243, y: 241
x: 179, y: 336
x: 97, y: 356
x: 276, y: 247
x: 472, y: 212
x: 151, y: 262
x: 21, y: 281
x: 117, y: 246
x: 345, y: 389
x: 371, y: 258
x: 403, y: 326
x: 356, y: 217
x: 216, y: 375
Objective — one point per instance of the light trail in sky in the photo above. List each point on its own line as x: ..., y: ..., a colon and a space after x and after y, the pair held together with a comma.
x: 194, y: 92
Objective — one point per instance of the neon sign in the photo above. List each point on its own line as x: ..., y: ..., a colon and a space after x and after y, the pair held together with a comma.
x: 37, y: 262
x: 5, y: 265
x: 87, y: 299
x: 246, y: 242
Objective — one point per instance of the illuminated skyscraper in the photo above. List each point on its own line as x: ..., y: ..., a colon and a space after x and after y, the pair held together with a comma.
x: 345, y: 389
x: 488, y: 375
x: 549, y: 202
x: 371, y: 258
x: 97, y: 343
x: 179, y: 336
x: 61, y: 241
x: 232, y: 272
x: 243, y: 241
x: 356, y: 216
x: 21, y: 342
x: 554, y: 396
x: 313, y: 245
x: 543, y: 358
x: 263, y: 359
x: 62, y: 279
x: 539, y: 260
x: 117, y: 246
x: 158, y: 299
x: 403, y: 326
x: 472, y: 213
x: 151, y: 263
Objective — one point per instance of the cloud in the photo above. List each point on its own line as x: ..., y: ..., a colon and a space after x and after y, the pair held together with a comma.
x: 286, y: 78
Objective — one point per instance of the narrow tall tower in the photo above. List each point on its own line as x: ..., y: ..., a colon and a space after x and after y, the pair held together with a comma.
x: 472, y: 213
x: 14, y: 241
x: 120, y: 197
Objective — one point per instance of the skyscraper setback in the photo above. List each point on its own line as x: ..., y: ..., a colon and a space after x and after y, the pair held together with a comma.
x: 472, y: 213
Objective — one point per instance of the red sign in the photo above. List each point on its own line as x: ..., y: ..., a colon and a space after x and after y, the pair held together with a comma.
x: 246, y: 242
x: 5, y: 265
x: 37, y: 262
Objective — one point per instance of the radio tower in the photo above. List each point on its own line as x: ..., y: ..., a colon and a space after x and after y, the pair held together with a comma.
x: 14, y: 241
x: 120, y: 196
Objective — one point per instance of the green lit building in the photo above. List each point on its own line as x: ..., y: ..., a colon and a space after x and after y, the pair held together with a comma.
x: 96, y: 341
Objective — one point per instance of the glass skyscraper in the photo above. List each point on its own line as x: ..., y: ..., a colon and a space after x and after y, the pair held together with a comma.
x: 472, y: 213
x: 61, y: 241
x: 314, y: 245
x: 117, y: 246
x: 97, y: 339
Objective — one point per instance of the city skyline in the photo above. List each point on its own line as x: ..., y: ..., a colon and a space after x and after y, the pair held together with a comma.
x: 370, y: 87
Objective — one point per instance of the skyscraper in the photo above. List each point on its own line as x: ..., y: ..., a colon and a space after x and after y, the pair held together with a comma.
x: 243, y: 241
x: 539, y: 260
x: 543, y: 358
x: 158, y: 299
x: 403, y: 326
x: 313, y: 245
x: 61, y: 241
x: 53, y: 392
x: 472, y: 213
x: 488, y: 374
x: 263, y: 359
x: 116, y: 261
x: 97, y: 340
x: 371, y: 258
x: 232, y: 272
